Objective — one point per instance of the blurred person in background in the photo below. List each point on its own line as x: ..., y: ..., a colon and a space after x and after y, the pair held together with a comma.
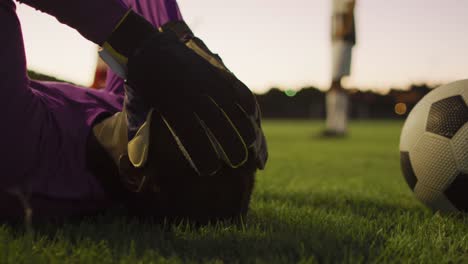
x: 343, y: 41
x: 174, y: 134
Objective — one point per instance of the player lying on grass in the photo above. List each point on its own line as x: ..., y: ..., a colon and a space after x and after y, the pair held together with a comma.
x: 179, y: 138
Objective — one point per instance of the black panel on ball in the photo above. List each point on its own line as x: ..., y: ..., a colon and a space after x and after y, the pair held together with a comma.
x: 407, y: 169
x: 457, y: 192
x: 447, y: 116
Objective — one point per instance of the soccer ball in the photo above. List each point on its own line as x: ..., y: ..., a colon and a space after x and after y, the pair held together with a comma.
x: 434, y: 148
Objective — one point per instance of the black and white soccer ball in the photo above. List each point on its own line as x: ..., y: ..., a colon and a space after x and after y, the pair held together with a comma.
x: 434, y: 148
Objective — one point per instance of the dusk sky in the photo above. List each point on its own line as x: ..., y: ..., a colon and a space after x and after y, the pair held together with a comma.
x: 286, y: 43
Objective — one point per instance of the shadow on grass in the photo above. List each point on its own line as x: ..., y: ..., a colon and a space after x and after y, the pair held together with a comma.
x: 282, y: 228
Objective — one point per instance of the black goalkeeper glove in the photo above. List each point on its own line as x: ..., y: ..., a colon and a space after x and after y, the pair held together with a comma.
x: 211, y: 114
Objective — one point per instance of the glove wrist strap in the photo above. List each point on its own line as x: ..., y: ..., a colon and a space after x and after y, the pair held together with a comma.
x: 129, y: 34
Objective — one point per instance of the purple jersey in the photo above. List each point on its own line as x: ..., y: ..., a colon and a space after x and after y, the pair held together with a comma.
x: 46, y: 124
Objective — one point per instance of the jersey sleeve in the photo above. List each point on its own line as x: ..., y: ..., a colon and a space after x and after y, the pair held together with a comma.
x: 93, y: 19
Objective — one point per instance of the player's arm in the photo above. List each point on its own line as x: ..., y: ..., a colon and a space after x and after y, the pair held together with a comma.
x: 93, y: 19
x: 208, y: 111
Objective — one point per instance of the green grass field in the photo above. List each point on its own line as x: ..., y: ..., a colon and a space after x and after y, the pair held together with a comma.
x: 318, y: 201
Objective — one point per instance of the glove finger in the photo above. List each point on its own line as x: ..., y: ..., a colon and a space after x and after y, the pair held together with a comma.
x: 243, y: 112
x: 238, y: 103
x: 237, y: 90
x: 230, y: 144
x: 261, y: 151
x: 244, y: 123
x: 249, y: 126
x: 193, y: 141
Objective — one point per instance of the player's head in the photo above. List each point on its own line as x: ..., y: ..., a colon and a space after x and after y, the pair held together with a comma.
x: 176, y: 192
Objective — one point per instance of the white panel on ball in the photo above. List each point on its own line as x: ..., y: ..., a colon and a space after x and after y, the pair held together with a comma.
x: 433, y: 162
x: 464, y: 92
x: 415, y: 126
x: 459, y: 145
x: 435, y: 200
